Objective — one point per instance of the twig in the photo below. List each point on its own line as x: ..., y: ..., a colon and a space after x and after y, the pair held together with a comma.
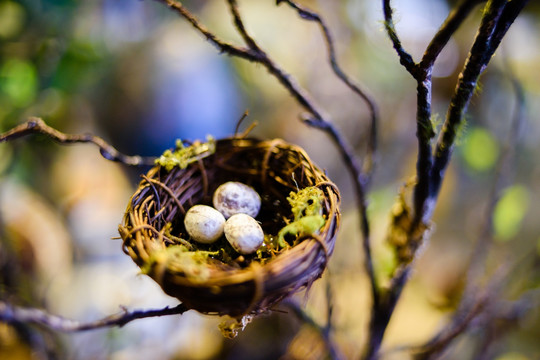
x: 222, y: 46
x: 306, y: 318
x: 36, y: 125
x: 445, y: 32
x: 498, y: 16
x: 405, y: 58
x: 463, y: 318
x: 504, y: 170
x: 310, y: 15
x: 10, y: 313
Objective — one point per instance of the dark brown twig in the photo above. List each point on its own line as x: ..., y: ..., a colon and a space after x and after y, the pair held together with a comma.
x: 10, y: 314
x: 222, y: 46
x: 498, y: 16
x: 310, y: 15
x: 301, y: 314
x: 37, y: 126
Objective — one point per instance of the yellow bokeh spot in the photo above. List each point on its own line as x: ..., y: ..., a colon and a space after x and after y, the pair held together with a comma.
x: 510, y: 211
x: 480, y: 150
x: 11, y: 19
x: 512, y: 356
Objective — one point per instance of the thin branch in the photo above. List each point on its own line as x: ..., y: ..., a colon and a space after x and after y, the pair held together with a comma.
x: 36, y: 125
x: 302, y: 315
x: 310, y: 15
x: 476, y: 63
x: 10, y: 313
x: 405, y: 58
x: 503, y: 174
x: 221, y: 45
x: 462, y: 319
x: 445, y: 32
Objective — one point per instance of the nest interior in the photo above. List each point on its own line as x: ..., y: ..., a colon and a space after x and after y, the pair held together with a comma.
x: 154, y: 222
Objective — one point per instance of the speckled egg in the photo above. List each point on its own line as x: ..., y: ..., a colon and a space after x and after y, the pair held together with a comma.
x: 236, y: 198
x: 204, y: 223
x: 244, y: 233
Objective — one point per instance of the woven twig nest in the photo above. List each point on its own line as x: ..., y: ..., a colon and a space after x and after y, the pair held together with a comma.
x: 246, y: 284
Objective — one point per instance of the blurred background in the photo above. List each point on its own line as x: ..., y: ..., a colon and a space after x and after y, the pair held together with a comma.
x: 137, y: 75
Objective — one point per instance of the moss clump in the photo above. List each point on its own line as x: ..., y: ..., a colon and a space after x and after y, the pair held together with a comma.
x: 185, y: 155
x: 306, y: 206
x: 194, y: 264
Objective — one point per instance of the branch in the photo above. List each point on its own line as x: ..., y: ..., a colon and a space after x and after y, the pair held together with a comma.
x: 310, y: 15
x: 302, y: 315
x: 445, y: 32
x: 10, y: 313
x: 222, y: 46
x: 36, y: 125
x: 405, y: 58
x: 470, y: 309
x: 498, y: 16
x: 503, y: 174
x: 485, y: 44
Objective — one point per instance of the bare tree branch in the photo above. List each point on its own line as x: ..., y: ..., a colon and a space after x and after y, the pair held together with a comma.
x: 36, y: 125
x: 498, y: 16
x: 405, y: 58
x: 503, y: 174
x: 310, y: 15
x: 10, y: 313
x: 222, y: 46
x: 445, y: 32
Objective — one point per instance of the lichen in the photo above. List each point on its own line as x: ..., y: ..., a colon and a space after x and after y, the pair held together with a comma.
x: 183, y: 155
x: 306, y: 202
x: 178, y: 258
x: 306, y: 206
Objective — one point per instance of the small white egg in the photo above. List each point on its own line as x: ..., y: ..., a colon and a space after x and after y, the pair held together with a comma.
x: 244, y: 233
x: 204, y: 224
x: 236, y: 198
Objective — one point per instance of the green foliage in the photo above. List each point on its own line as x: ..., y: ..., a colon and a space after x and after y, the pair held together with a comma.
x: 306, y: 202
x: 306, y: 206
x: 193, y: 264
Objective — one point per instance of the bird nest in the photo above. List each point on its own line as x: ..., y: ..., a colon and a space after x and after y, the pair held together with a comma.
x: 213, y: 278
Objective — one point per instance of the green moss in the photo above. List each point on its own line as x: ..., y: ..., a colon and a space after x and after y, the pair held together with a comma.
x: 306, y: 206
x: 306, y: 202
x: 185, y: 155
x: 194, y: 264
